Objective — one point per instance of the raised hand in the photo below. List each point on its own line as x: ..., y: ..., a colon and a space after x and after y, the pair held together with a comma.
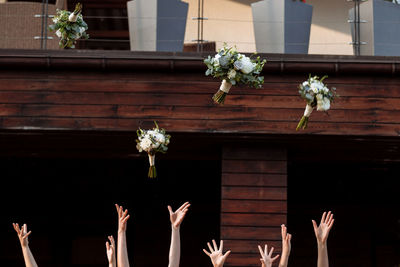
x: 110, y: 248
x: 322, y: 231
x: 266, y: 257
x: 178, y: 216
x: 286, y: 246
x: 23, y: 239
x: 122, y: 252
x: 123, y: 217
x: 216, y: 255
x: 22, y: 234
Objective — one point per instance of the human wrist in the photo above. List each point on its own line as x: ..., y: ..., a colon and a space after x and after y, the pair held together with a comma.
x: 321, y: 245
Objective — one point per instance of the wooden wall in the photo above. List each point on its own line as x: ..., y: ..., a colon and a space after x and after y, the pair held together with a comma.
x: 122, y: 91
x: 254, y: 201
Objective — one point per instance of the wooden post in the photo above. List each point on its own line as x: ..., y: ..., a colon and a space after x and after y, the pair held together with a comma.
x: 254, y: 201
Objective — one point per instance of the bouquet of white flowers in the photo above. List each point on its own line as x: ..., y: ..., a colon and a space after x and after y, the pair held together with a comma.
x: 152, y: 141
x: 317, y: 94
x: 69, y: 27
x: 234, y: 68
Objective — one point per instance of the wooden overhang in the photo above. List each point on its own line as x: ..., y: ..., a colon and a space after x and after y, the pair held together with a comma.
x: 120, y: 91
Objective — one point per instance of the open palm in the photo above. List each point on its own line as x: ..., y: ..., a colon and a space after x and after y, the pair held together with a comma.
x: 322, y: 231
x: 215, y: 254
x: 178, y: 216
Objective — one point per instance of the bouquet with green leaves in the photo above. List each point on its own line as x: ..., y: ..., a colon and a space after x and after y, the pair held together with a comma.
x: 152, y: 141
x: 234, y: 68
x: 317, y: 95
x: 69, y: 27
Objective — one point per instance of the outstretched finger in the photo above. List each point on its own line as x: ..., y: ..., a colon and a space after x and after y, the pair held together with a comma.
x: 126, y: 219
x: 183, y: 205
x: 170, y: 210
x: 315, y: 227
x: 261, y: 251
x: 111, y: 238
x: 227, y: 254
x: 323, y: 217
x: 271, y: 251
x: 16, y: 227
x: 331, y: 223
x: 209, y: 246
x: 274, y: 258
x: 208, y: 253
x: 215, y: 245
x: 283, y: 231
x: 221, y: 245
x: 26, y: 235
x: 328, y: 216
x: 107, y: 245
x: 25, y: 229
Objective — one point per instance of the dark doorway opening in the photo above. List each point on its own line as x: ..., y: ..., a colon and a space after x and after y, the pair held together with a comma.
x: 68, y: 203
x: 361, y: 186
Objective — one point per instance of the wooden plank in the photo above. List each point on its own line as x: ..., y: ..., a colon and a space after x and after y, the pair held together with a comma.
x: 253, y: 233
x: 205, y: 126
x: 244, y: 219
x: 178, y: 85
x: 237, y: 179
x: 254, y: 193
x: 198, y: 113
x: 189, y: 100
x: 252, y: 152
x: 254, y: 166
x: 253, y: 206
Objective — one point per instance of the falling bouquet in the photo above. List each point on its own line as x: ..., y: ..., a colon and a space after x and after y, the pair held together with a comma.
x: 234, y: 68
x: 152, y: 141
x: 317, y: 94
x: 69, y: 27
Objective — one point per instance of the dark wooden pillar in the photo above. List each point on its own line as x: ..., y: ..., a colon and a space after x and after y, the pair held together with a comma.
x: 254, y: 201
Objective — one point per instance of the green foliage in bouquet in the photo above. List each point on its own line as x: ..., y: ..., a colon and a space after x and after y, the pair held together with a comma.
x: 235, y: 68
x: 69, y: 27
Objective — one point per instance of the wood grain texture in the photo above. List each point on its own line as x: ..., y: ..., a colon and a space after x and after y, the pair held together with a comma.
x: 254, y: 200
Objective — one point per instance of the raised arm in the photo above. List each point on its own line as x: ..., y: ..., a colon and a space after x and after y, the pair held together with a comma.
x: 176, y: 219
x: 23, y: 239
x: 286, y: 246
x: 322, y: 233
x: 122, y: 251
x: 216, y: 254
x: 110, y: 249
x: 266, y: 257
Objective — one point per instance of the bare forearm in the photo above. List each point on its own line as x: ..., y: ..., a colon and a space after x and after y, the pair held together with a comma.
x: 284, y: 259
x: 322, y: 256
x: 122, y: 259
x: 28, y: 257
x: 175, y: 248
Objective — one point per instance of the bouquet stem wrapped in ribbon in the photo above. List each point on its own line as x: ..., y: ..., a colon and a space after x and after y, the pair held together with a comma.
x: 234, y: 68
x: 317, y: 95
x: 69, y: 27
x: 151, y: 142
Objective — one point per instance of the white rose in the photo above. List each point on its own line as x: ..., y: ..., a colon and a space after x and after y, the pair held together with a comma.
x: 55, y: 20
x: 160, y: 138
x: 305, y: 83
x: 323, y: 103
x: 217, y: 56
x: 231, y: 74
x: 58, y: 33
x: 81, y: 30
x: 248, y: 66
x: 146, y: 144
